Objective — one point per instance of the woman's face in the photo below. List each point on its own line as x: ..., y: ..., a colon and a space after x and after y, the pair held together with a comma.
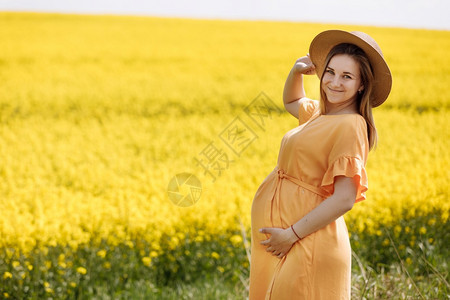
x: 341, y: 80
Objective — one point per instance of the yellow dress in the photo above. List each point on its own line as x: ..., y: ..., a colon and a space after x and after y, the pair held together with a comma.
x: 310, y: 156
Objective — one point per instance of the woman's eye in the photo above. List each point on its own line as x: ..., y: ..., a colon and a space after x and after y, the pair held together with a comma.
x: 330, y: 72
x: 347, y: 77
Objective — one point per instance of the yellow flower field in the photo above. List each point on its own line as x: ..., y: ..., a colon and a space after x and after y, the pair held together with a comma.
x: 99, y: 113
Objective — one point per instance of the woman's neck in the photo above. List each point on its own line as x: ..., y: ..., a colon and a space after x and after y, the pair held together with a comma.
x: 348, y: 107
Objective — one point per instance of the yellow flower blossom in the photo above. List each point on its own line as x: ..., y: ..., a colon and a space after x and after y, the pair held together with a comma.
x: 147, y: 261
x: 28, y: 265
x: 7, y: 275
x: 423, y: 230
x: 81, y: 270
x: 215, y: 255
x: 221, y: 269
x: 101, y: 253
x: 48, y: 264
x: 236, y: 240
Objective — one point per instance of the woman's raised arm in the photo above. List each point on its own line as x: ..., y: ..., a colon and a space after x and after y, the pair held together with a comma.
x: 293, y: 88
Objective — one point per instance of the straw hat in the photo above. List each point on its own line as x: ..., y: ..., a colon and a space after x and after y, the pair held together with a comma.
x: 325, y: 41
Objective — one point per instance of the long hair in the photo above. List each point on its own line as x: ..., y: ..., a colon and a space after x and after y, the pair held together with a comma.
x: 363, y: 99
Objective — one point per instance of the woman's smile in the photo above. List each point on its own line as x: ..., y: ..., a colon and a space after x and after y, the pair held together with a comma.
x: 334, y: 90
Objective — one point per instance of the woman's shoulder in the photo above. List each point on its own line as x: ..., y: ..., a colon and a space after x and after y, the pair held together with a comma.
x: 309, y: 104
x: 307, y: 109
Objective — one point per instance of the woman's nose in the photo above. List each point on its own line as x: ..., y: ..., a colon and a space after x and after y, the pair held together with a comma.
x: 335, y: 81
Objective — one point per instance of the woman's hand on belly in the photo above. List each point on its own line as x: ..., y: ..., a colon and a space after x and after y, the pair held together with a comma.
x: 280, y: 241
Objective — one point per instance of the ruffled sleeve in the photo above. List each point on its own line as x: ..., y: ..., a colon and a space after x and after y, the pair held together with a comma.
x: 308, y: 108
x: 348, y: 156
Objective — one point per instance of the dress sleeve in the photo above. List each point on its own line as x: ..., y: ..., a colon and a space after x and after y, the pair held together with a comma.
x: 307, y: 109
x: 348, y: 156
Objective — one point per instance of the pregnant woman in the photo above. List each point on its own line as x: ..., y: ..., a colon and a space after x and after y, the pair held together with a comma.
x: 300, y: 246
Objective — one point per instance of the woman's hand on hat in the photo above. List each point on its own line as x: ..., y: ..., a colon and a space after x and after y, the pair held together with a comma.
x: 304, y: 65
x: 280, y: 241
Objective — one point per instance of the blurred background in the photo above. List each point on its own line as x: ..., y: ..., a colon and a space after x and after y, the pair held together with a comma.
x: 432, y: 14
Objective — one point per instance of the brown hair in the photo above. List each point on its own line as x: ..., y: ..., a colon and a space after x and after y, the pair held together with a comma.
x: 367, y: 79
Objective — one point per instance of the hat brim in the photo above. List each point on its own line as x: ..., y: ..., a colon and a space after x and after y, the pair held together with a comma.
x: 325, y: 41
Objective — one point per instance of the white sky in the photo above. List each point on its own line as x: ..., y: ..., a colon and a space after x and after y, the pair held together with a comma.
x: 432, y: 14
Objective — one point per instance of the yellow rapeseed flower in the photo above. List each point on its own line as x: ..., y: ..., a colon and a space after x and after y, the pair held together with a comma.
x: 101, y: 253
x: 81, y: 270
x: 199, y: 238
x: 431, y: 221
x: 422, y: 230
x: 385, y: 242
x: 221, y: 269
x: 215, y: 255
x: 6, y: 295
x: 48, y: 264
x: 107, y: 265
x: 130, y: 244
x: 7, y: 275
x: 236, y: 240
x: 73, y: 284
x: 408, y: 260
x: 397, y: 230
x: 147, y: 261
